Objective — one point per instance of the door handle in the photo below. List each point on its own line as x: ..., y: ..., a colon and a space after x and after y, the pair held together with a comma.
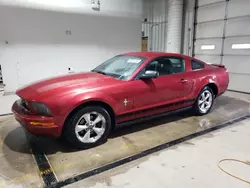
x: 183, y: 80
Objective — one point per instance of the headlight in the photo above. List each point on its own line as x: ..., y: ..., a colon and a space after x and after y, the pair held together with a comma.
x: 41, y: 109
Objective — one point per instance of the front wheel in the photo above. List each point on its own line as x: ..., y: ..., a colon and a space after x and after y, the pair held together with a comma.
x: 204, y: 102
x: 88, y: 127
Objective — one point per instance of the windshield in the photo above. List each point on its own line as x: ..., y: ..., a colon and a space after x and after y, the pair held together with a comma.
x: 121, y: 67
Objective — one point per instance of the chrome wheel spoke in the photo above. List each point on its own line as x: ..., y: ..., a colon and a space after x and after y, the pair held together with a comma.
x: 98, y: 131
x: 86, y: 137
x: 208, y: 96
x: 79, y: 128
x: 203, y: 96
x: 200, y: 102
x: 203, y: 105
x: 97, y: 119
x: 87, y: 117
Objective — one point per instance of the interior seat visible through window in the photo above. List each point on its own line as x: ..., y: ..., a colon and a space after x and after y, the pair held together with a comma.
x: 164, y: 67
x: 167, y: 65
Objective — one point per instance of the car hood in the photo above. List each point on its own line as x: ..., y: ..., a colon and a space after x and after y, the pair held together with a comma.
x: 80, y: 82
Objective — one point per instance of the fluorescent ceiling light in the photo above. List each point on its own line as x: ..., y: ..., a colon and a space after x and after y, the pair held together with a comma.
x: 207, y: 47
x: 241, y: 46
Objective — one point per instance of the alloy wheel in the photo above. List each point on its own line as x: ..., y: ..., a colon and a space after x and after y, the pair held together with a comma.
x: 205, y: 101
x: 90, y: 127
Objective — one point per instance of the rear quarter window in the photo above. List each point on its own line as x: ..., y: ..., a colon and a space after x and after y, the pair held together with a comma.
x: 197, y: 65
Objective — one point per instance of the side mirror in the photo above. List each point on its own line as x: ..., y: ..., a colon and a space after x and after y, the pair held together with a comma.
x: 149, y: 74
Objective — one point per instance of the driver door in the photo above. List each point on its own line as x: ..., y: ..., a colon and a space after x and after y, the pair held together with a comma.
x: 157, y: 94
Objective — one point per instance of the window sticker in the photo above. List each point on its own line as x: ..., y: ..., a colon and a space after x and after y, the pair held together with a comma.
x: 134, y: 61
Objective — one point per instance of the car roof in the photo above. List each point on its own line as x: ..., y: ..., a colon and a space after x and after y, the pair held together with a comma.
x: 153, y: 54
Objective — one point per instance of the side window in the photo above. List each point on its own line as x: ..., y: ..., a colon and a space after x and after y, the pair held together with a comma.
x: 152, y: 66
x: 167, y: 65
x: 176, y: 65
x: 197, y: 65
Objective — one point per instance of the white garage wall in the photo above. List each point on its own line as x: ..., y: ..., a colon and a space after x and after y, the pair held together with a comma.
x: 121, y: 8
x: 37, y: 44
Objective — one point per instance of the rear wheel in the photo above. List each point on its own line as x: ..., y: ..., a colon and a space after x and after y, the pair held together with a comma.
x: 204, y: 102
x: 88, y: 127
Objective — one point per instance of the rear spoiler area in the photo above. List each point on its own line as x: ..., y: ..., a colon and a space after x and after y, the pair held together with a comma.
x: 218, y: 65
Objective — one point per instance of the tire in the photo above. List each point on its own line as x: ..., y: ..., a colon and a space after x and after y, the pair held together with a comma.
x: 81, y: 130
x: 199, y: 109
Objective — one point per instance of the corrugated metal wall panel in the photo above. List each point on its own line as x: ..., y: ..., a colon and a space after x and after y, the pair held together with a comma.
x: 242, y: 64
x: 211, y: 29
x: 206, y: 2
x: 239, y: 82
x: 200, y: 42
x: 225, y: 25
x: 211, y: 12
x: 188, y: 20
x: 238, y: 8
x: 237, y: 27
x: 155, y: 11
x: 238, y: 40
x: 209, y: 58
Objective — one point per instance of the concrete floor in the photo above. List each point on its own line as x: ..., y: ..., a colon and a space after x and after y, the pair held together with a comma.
x: 17, y: 166
x: 190, y: 163
x: 132, y: 140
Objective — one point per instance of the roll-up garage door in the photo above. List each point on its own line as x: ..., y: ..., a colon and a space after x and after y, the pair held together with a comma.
x: 222, y: 35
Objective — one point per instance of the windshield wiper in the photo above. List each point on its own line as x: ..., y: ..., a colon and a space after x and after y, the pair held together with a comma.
x: 100, y: 72
x: 105, y: 73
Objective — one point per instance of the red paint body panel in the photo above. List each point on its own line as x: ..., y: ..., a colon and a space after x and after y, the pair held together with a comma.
x: 64, y: 93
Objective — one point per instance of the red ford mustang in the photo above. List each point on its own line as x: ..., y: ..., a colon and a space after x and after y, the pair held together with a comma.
x: 85, y: 107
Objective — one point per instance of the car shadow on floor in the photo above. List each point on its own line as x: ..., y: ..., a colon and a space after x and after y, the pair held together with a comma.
x: 54, y: 145
x: 122, y: 131
x: 223, y: 101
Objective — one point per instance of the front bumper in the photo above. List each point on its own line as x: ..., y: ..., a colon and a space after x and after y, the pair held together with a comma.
x: 36, y: 125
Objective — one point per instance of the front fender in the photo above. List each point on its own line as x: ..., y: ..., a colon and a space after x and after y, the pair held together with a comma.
x: 83, y: 98
x: 93, y: 96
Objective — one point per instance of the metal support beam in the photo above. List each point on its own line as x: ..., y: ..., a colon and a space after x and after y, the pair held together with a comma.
x: 224, y: 32
x: 194, y: 27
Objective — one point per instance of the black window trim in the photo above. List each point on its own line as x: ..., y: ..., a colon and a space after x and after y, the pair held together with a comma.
x: 176, y: 57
